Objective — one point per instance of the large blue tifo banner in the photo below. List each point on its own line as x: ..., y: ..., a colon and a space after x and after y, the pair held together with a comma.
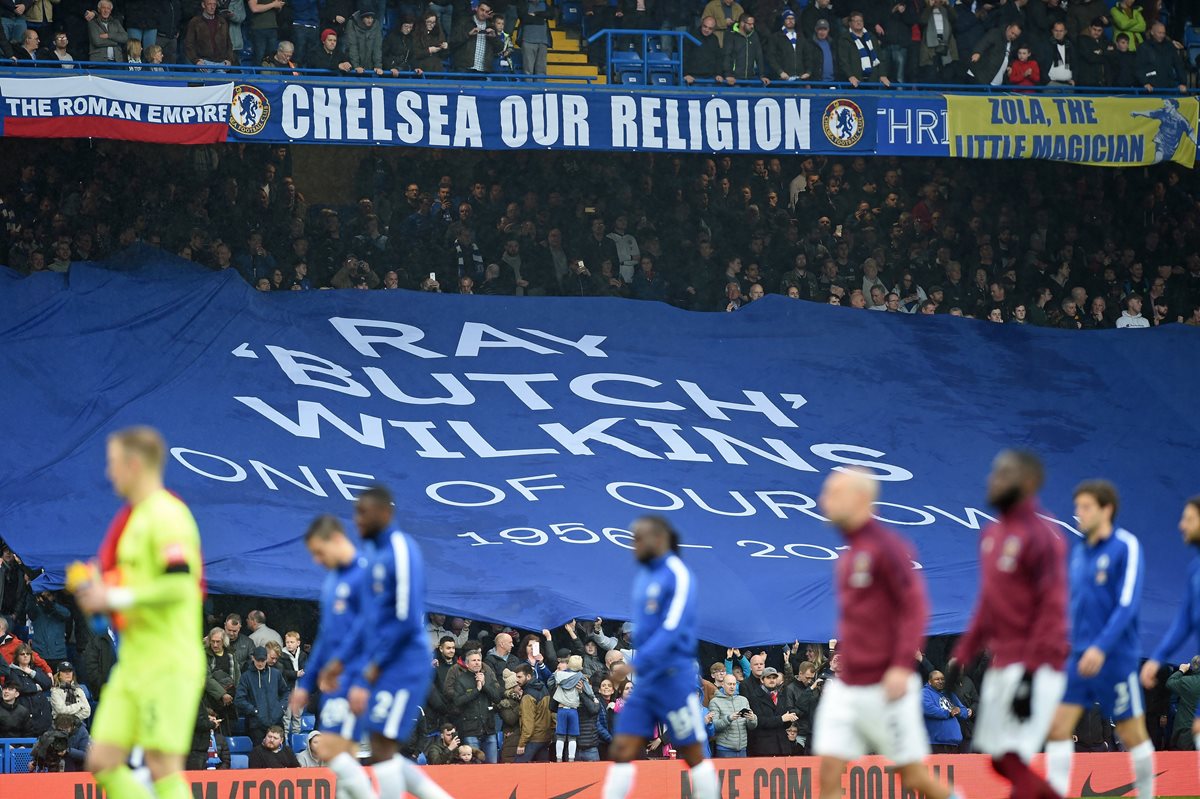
x: 517, y: 117
x: 521, y: 436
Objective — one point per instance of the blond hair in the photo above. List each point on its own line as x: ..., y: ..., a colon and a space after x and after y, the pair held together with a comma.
x: 143, y: 441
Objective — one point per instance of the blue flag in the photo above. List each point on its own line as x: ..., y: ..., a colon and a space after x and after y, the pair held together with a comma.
x: 521, y: 436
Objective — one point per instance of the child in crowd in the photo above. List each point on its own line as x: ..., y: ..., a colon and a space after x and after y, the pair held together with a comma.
x: 568, y: 683
x: 1024, y: 71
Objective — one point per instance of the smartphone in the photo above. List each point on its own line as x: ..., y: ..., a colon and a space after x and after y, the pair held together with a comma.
x: 433, y: 276
x: 535, y: 648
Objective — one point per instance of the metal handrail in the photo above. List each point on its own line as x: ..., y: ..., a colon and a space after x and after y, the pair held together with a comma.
x: 222, y: 74
x: 675, y: 60
x: 192, y: 73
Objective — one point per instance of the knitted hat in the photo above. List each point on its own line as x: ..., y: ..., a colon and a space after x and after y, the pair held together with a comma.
x: 325, y: 34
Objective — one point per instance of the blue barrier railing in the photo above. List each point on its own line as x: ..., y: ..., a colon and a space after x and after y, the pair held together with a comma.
x: 217, y: 74
x: 640, y: 53
x: 16, y: 754
x: 645, y: 68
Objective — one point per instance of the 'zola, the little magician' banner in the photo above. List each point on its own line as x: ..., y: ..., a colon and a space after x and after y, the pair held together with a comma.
x: 1102, y: 131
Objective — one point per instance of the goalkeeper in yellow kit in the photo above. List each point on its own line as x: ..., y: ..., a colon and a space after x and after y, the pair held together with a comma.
x: 152, y: 586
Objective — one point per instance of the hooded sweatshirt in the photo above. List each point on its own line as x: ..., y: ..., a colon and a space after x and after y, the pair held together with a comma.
x: 566, y: 688
x: 364, y: 45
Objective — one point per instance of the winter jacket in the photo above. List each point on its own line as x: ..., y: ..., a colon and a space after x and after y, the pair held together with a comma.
x: 208, y: 40
x: 197, y: 759
x: 568, y: 688
x: 731, y: 732
x: 400, y: 51
x: 323, y: 59
x: 770, y: 735
x: 110, y: 49
x: 1159, y: 64
x: 261, y: 696
x: 787, y: 57
x: 364, y: 45
x: 98, y: 661
x: 1131, y: 22
x: 423, y: 59
x: 716, y: 9
x: 50, y: 629
x: 40, y: 10
x: 499, y: 663
x: 590, y: 713
x: 438, y: 754
x: 262, y: 757
x: 78, y: 743
x: 1024, y: 73
x: 35, y: 696
x: 70, y: 700
x: 462, y: 45
x: 849, y: 62
x: 991, y: 55
x: 15, y: 720
x: 291, y: 665
x: 926, y: 55
x: 509, y: 710
x: 744, y: 57
x: 8, y: 647
x: 537, y: 725
x: 472, y: 711
x: 224, y: 673
x: 140, y: 14
x: 1091, y: 60
x: 705, y: 60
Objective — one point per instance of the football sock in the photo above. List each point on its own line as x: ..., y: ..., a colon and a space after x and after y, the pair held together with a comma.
x: 119, y: 781
x: 704, y: 781
x: 619, y: 781
x: 1142, y: 756
x: 1058, y: 765
x: 352, y: 780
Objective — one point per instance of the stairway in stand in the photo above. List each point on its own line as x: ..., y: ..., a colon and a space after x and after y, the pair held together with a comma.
x: 568, y: 57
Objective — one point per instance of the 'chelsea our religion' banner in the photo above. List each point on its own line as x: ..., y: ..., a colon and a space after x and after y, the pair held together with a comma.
x: 440, y: 114
x: 1101, y: 131
x: 521, y: 436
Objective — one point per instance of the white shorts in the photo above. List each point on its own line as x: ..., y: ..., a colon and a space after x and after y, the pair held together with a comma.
x: 856, y: 720
x: 998, y: 731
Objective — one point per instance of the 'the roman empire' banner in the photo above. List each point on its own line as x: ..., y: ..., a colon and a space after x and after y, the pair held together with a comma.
x: 86, y: 107
x: 1101, y: 131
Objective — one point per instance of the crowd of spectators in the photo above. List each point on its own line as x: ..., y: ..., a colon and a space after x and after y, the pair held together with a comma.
x: 1010, y: 242
x: 781, y: 42
x: 497, y: 694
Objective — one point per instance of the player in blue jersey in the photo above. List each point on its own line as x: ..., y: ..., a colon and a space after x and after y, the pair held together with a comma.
x: 334, y: 653
x: 1187, y: 619
x: 664, y: 659
x: 1105, y: 575
x: 394, y: 672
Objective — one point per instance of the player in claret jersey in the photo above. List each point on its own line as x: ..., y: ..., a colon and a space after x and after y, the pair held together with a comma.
x: 875, y: 706
x: 1021, y: 618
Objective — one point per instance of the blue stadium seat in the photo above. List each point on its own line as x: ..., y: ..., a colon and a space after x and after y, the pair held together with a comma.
x: 624, y: 57
x: 630, y: 75
x: 299, y: 742
x: 239, y: 726
x: 240, y: 745
x: 569, y: 12
x: 239, y: 761
x: 662, y: 77
x: 308, y: 722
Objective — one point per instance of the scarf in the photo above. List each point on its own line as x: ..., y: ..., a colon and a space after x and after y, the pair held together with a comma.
x: 866, y: 52
x: 476, y: 267
x: 937, y: 34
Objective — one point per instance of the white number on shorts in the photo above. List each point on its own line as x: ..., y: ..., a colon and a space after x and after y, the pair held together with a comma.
x: 383, y: 703
x: 1122, y: 704
x: 334, y: 713
x: 681, y: 722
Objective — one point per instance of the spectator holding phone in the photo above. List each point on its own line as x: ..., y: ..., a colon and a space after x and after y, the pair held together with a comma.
x: 732, y: 718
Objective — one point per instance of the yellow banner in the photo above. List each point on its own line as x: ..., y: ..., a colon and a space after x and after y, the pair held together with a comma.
x: 1102, y: 131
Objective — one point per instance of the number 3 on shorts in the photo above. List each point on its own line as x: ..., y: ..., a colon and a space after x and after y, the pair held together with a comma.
x: 1122, y: 703
x: 681, y: 722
